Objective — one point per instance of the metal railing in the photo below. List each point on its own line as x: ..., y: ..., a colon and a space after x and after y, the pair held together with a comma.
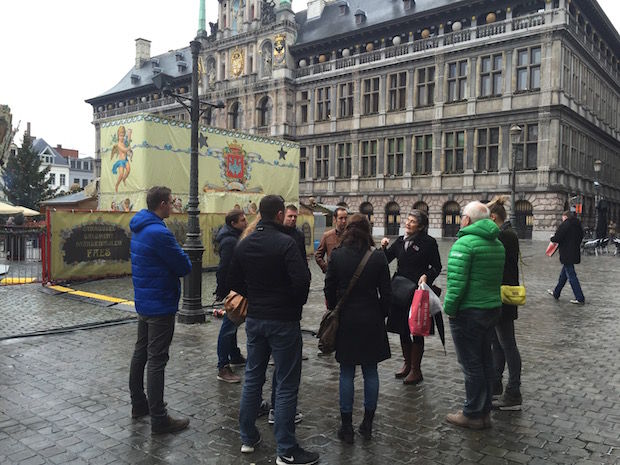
x: 20, y: 255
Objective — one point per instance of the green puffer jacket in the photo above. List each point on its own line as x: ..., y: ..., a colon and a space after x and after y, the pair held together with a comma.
x: 475, y: 268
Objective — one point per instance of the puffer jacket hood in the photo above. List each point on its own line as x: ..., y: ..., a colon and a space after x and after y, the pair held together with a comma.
x: 142, y: 219
x: 485, y: 228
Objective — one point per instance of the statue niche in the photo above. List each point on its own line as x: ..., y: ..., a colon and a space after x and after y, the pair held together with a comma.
x: 266, y: 61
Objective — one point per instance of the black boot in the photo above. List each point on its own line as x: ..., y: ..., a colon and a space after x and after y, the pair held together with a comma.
x: 366, y: 426
x: 345, y: 433
x: 168, y: 424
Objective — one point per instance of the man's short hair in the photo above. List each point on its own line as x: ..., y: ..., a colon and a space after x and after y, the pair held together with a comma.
x: 269, y: 207
x: 233, y: 216
x: 476, y: 211
x: 156, y: 195
x: 291, y: 207
x: 339, y: 209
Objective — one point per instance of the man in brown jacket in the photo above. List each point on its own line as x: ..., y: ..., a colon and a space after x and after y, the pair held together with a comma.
x: 331, y: 239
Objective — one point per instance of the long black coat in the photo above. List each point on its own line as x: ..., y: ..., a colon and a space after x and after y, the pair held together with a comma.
x: 569, y: 235
x: 421, y: 257
x: 361, y: 334
x: 511, y: 265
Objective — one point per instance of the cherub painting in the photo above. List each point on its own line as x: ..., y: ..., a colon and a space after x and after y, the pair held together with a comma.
x: 122, y: 149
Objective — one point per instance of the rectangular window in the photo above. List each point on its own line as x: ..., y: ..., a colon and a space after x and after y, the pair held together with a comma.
x: 397, y: 91
x: 527, y: 155
x: 528, y: 69
x: 395, y: 156
x: 63, y: 179
x: 457, y: 80
x: 426, y: 86
x: 566, y: 76
x: 488, y: 150
x: 303, y: 105
x: 76, y: 181
x: 344, y: 160
x: 84, y: 182
x: 369, y: 159
x: 321, y: 162
x: 371, y: 95
x: 491, y: 80
x: 454, y: 151
x: 302, y: 163
x: 423, y: 154
x: 323, y: 104
x: 575, y: 74
x: 345, y: 93
x: 53, y: 179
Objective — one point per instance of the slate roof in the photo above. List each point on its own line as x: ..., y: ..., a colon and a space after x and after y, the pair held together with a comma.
x: 39, y: 145
x: 140, y: 77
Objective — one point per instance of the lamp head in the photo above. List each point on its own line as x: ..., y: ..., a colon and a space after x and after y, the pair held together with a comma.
x: 218, y: 104
x: 598, y: 164
x: 163, y: 82
x: 515, y: 133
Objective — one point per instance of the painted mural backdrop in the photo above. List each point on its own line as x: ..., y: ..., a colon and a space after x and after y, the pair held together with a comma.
x: 235, y: 169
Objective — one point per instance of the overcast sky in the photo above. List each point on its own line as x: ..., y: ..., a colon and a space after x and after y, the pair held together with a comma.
x: 56, y: 54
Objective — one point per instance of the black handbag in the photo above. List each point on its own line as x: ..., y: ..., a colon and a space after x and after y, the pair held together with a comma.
x: 328, y: 329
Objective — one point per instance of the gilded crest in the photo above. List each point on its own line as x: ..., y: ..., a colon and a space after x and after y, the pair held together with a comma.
x: 236, y: 62
x: 279, y: 49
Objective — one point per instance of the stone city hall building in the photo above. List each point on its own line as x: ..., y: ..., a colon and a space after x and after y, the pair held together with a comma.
x: 401, y: 104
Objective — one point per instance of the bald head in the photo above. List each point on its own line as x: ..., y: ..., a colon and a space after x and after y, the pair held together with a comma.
x: 476, y: 211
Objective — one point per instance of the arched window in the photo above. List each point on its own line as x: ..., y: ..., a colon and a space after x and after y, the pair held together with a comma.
x: 524, y: 217
x: 392, y: 219
x: 451, y: 219
x: 422, y: 206
x: 266, y: 55
x: 234, y: 116
x: 367, y: 209
x: 264, y: 112
x: 252, y: 12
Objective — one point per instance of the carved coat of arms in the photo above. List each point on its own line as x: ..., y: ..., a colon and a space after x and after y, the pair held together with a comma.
x: 235, y: 169
x: 279, y: 50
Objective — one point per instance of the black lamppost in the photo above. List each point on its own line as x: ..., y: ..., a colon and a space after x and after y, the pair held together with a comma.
x: 598, y: 164
x: 515, y: 138
x: 191, y: 307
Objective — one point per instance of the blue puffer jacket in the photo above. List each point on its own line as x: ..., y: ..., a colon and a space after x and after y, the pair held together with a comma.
x: 157, y: 263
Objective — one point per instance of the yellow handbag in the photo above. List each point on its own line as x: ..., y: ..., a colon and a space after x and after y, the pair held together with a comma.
x: 514, y: 295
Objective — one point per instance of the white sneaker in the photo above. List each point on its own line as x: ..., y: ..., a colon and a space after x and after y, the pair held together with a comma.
x: 249, y: 448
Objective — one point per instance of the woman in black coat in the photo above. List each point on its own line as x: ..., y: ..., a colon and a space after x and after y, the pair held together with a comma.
x: 362, y: 338
x: 418, y: 260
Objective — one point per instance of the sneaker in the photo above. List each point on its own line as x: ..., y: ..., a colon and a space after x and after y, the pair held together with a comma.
x: 238, y: 362
x: 298, y: 456
x: 577, y: 302
x: 264, y: 409
x: 550, y: 292
x: 226, y: 374
x: 249, y: 448
x: 272, y: 417
x: 168, y: 424
x: 459, y: 419
x: 508, y: 402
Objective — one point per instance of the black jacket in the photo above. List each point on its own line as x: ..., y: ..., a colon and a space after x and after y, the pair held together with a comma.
x: 227, y: 238
x: 268, y: 269
x: 300, y: 239
x: 511, y: 264
x: 361, y: 334
x: 569, y: 236
x: 421, y: 257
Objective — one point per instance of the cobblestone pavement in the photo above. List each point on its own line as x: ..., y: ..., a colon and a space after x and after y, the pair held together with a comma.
x: 64, y: 399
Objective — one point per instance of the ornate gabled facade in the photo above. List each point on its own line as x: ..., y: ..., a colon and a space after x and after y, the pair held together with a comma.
x: 402, y: 104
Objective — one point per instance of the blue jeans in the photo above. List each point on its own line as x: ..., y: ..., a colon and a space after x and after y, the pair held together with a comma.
x: 227, y: 349
x: 472, y: 333
x: 371, y: 386
x: 568, y: 273
x: 505, y: 352
x: 281, y: 339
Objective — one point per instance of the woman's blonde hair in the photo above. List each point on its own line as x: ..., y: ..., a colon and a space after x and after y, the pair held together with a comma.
x: 496, y: 206
x: 250, y: 228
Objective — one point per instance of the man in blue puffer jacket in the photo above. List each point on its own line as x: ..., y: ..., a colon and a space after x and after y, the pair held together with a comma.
x: 157, y: 263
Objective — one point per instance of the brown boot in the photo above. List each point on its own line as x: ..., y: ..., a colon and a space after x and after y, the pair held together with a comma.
x: 404, y: 371
x: 459, y: 419
x: 415, y: 373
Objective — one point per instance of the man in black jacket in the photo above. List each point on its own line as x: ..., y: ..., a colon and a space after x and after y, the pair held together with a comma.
x: 568, y: 236
x: 268, y: 269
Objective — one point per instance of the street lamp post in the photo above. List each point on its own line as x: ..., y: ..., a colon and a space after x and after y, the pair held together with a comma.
x: 515, y: 137
x: 191, y: 307
x: 597, y: 200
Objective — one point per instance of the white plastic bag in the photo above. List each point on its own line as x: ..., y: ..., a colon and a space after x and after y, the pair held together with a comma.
x: 433, y: 300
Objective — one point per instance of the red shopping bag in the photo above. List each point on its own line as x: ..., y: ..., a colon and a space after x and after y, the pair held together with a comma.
x: 551, y: 248
x: 420, y: 314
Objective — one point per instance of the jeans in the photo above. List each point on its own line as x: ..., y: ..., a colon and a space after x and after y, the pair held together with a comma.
x: 151, y: 350
x: 281, y: 339
x: 227, y: 349
x: 505, y: 352
x: 371, y: 386
x: 568, y: 273
x: 472, y: 333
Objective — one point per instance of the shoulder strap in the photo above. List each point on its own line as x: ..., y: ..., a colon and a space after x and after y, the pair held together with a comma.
x: 356, y: 275
x: 521, y: 263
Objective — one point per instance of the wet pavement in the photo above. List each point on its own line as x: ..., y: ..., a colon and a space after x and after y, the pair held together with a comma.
x: 64, y: 399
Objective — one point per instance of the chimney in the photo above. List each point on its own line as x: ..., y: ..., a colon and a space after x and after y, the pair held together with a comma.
x: 59, y: 146
x: 143, y: 52
x: 315, y: 9
x: 28, y: 128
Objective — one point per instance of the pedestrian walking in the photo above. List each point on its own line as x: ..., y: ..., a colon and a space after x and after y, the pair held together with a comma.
x: 361, y: 339
x: 418, y: 260
x: 228, y: 353
x: 504, y: 345
x: 157, y: 263
x: 473, y: 302
x: 568, y: 236
x: 331, y: 239
x: 268, y: 269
